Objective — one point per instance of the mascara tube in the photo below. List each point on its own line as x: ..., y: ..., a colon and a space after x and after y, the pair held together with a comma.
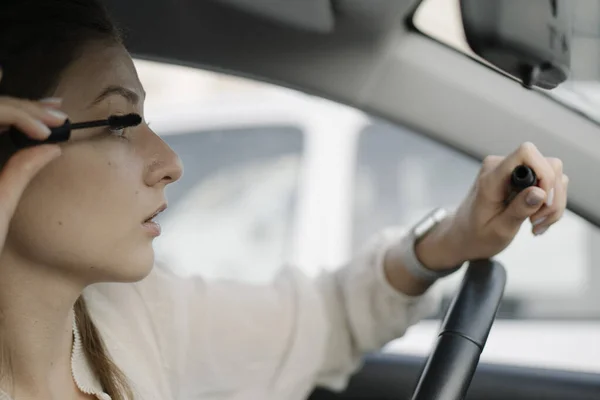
x: 521, y: 178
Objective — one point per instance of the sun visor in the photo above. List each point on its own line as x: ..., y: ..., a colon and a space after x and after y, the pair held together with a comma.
x: 309, y: 15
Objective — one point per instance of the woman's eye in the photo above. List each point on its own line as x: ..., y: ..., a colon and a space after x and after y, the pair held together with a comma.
x: 120, y: 132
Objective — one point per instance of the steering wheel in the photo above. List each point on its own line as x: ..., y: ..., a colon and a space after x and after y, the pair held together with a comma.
x: 464, y: 331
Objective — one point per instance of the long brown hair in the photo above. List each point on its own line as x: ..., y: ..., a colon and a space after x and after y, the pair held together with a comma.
x: 38, y: 40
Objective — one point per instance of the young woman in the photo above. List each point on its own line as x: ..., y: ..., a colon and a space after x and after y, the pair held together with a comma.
x: 83, y: 312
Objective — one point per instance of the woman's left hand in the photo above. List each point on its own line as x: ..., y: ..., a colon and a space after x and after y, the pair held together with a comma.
x: 484, y: 225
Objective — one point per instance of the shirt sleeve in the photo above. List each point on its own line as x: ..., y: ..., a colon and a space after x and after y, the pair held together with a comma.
x: 224, y: 336
x: 364, y: 312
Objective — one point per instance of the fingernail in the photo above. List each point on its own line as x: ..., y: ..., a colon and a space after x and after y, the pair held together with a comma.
x: 55, y: 101
x: 57, y: 114
x: 538, y: 221
x: 550, y: 198
x: 541, y: 231
x: 534, y: 198
x: 43, y: 128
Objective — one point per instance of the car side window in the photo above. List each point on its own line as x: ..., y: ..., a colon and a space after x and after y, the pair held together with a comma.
x: 231, y: 215
x: 553, y: 280
x: 401, y: 175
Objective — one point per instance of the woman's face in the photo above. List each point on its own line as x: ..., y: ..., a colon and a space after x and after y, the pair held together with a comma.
x: 84, y: 213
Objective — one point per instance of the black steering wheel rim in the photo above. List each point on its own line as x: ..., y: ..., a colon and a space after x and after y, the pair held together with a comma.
x: 463, y: 334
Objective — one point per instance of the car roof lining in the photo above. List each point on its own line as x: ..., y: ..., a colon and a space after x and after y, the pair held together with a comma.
x: 373, y: 61
x: 309, y: 15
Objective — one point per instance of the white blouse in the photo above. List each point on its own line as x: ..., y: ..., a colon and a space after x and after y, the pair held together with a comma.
x: 188, y: 339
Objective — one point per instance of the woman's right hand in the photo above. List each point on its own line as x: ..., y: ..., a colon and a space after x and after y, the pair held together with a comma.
x: 33, y: 118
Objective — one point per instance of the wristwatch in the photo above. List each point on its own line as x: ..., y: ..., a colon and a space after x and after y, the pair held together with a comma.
x: 409, y: 242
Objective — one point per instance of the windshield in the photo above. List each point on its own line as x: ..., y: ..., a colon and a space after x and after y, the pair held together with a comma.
x: 441, y: 20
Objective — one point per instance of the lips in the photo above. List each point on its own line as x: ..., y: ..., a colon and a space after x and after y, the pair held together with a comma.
x: 155, y: 214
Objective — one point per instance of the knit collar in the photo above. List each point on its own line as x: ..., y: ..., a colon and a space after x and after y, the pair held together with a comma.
x: 81, y: 369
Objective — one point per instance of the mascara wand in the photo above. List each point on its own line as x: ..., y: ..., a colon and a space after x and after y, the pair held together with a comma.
x: 63, y: 133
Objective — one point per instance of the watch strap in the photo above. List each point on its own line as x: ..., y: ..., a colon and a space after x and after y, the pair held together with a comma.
x: 408, y: 244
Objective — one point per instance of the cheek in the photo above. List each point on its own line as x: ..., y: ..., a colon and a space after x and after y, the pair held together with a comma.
x: 82, y: 203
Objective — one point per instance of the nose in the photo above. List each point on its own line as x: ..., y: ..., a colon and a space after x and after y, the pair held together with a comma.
x: 164, y: 166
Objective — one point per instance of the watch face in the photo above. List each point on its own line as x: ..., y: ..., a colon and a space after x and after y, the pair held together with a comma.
x: 431, y: 220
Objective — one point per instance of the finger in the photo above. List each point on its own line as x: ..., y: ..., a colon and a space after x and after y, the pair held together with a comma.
x: 16, y: 175
x: 490, y: 163
x: 526, y: 154
x: 55, y: 102
x: 44, y: 112
x: 23, y: 121
x: 524, y: 205
x: 557, y: 210
x: 551, y: 207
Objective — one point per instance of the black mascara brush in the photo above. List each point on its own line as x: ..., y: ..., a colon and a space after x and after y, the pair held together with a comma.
x: 63, y: 133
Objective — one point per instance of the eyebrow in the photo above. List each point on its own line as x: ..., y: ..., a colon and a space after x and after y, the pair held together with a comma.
x: 129, y: 95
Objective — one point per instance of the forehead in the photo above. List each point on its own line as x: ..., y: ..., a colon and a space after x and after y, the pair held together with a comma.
x: 98, y: 66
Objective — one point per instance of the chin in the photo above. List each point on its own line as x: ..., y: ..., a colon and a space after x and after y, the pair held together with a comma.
x: 135, y: 275
x: 132, y: 270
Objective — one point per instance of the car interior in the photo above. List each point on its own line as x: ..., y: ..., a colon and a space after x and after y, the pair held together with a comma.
x: 484, y: 94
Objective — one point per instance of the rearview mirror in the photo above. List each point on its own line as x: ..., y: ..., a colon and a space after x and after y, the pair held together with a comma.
x: 528, y: 39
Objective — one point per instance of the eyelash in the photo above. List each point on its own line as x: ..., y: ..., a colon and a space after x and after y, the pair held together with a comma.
x: 120, y: 133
